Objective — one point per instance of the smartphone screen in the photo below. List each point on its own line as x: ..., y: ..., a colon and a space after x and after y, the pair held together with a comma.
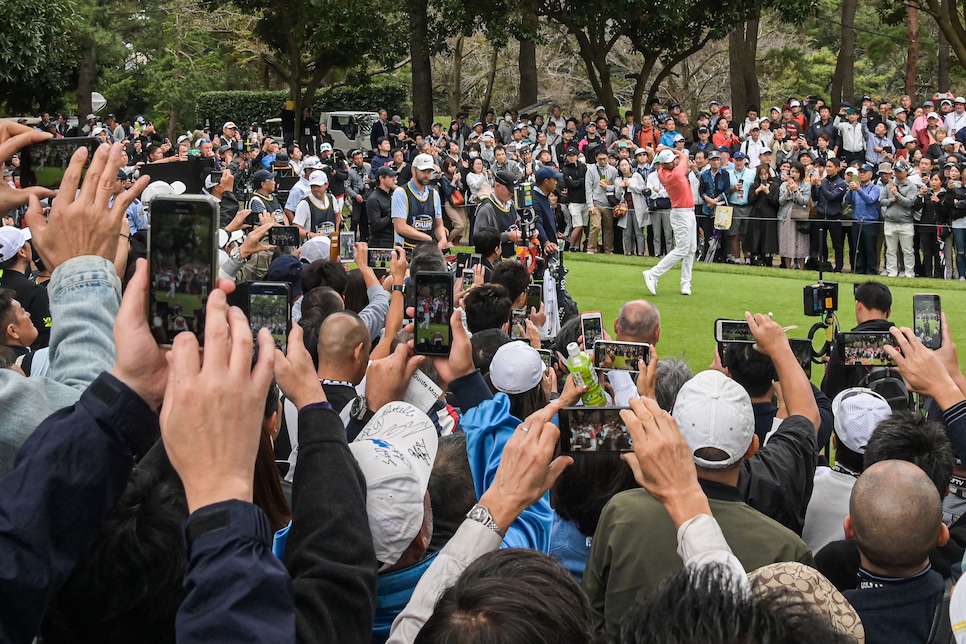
x: 467, y: 279
x: 534, y: 296
x: 270, y: 307
x: 732, y: 331
x: 380, y: 258
x: 802, y: 348
x: 44, y: 164
x: 462, y: 262
x: 865, y: 349
x: 182, y: 237
x: 347, y: 241
x: 591, y: 327
x: 434, y: 305
x: 927, y: 322
x: 547, y: 356
x: 609, y: 354
x: 518, y: 324
x: 593, y: 430
x: 284, y: 236
x: 475, y: 260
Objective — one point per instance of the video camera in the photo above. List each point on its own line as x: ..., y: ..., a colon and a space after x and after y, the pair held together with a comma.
x: 821, y: 298
x: 523, y: 196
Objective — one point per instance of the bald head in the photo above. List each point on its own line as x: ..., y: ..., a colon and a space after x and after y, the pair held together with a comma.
x: 896, y: 517
x: 638, y: 321
x: 341, y: 336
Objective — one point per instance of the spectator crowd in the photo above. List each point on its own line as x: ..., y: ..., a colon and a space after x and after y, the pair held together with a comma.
x: 350, y: 490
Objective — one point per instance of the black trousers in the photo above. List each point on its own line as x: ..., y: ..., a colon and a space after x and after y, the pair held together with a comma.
x: 932, y: 265
x: 863, y: 240
x: 818, y: 241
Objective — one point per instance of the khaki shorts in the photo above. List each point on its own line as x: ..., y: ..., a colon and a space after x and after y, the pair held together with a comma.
x: 579, y: 214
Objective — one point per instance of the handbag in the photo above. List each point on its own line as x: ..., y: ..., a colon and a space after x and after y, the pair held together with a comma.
x: 722, y: 217
x: 798, y: 212
x: 456, y: 197
x: 803, y: 227
x: 620, y: 210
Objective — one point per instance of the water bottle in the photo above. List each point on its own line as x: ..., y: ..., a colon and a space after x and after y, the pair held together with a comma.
x: 582, y: 367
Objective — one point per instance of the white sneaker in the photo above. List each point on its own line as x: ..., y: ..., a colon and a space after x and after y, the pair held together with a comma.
x: 962, y: 279
x: 685, y: 290
x: 650, y: 282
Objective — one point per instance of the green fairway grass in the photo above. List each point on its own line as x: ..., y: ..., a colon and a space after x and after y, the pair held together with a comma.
x: 604, y: 283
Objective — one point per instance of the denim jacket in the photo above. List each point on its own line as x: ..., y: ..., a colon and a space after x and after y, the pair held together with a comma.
x: 85, y: 294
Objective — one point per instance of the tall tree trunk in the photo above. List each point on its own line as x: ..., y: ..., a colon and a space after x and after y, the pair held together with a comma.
x: 943, y: 54
x: 640, y: 85
x: 742, y: 45
x: 949, y: 18
x: 843, y: 81
x: 490, y: 79
x: 85, y: 83
x: 456, y: 80
x: 421, y: 65
x: 912, y: 52
x: 527, y: 93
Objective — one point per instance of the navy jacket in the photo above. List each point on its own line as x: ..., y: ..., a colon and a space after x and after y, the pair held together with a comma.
x: 546, y: 224
x: 67, y: 477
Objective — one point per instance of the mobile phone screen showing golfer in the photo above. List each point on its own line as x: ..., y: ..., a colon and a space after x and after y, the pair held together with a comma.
x: 732, y: 331
x: 434, y: 305
x: 927, y: 320
x: 468, y: 278
x: 625, y: 356
x: 593, y: 430
x: 347, y: 242
x: 591, y: 327
x: 44, y: 163
x: 865, y: 349
x: 518, y: 324
x: 270, y: 307
x: 182, y: 256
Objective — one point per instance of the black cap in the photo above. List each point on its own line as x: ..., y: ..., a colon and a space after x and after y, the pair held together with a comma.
x: 385, y: 171
x: 505, y: 178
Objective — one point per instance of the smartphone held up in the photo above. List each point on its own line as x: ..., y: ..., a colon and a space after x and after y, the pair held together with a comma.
x: 434, y: 306
x: 182, y: 263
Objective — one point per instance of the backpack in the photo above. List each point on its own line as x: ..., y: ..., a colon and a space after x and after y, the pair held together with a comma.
x: 889, y: 385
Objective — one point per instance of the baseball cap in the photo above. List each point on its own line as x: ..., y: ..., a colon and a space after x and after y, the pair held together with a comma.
x: 932, y: 115
x: 703, y: 130
x: 858, y: 411
x: 908, y: 139
x: 156, y: 188
x: 714, y: 154
x: 714, y: 103
x: 959, y: 99
x: 764, y: 152
x: 600, y: 108
x: 506, y: 178
x: 678, y: 137
x: 318, y: 178
x: 546, y: 172
x: 867, y: 167
x: 901, y: 166
x: 899, y: 110
x: 666, y: 156
x: 395, y: 451
x: 91, y: 116
x: 739, y: 155
x: 852, y: 170
x: 209, y: 181
x: 316, y: 248
x: 262, y: 176
x: 928, y: 104
x: 945, y: 101
x: 385, y: 171
x: 311, y: 163
x: 712, y: 410
x: 286, y: 268
x: 229, y: 125
x: 794, y: 103
x: 949, y: 141
x: 12, y: 240
x: 516, y: 368
x: 224, y: 148
x: 885, y: 167
x: 423, y: 162
x: 325, y: 147
x: 571, y: 150
x: 488, y: 136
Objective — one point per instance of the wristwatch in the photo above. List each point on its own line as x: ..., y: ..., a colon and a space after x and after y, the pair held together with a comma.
x: 398, y: 287
x: 358, y: 409
x: 480, y: 514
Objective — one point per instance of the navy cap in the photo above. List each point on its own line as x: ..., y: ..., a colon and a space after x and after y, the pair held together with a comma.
x: 546, y: 172
x: 739, y: 155
x: 286, y: 268
x: 262, y: 176
x: 867, y: 167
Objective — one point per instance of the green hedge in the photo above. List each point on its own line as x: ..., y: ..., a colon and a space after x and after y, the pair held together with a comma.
x: 258, y: 106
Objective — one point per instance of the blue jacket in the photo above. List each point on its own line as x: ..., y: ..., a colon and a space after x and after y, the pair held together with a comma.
x: 716, y: 186
x: 546, y: 223
x: 488, y: 425
x: 394, y: 590
x: 828, y: 197
x: 85, y: 293
x: 67, y: 477
x: 865, y: 202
